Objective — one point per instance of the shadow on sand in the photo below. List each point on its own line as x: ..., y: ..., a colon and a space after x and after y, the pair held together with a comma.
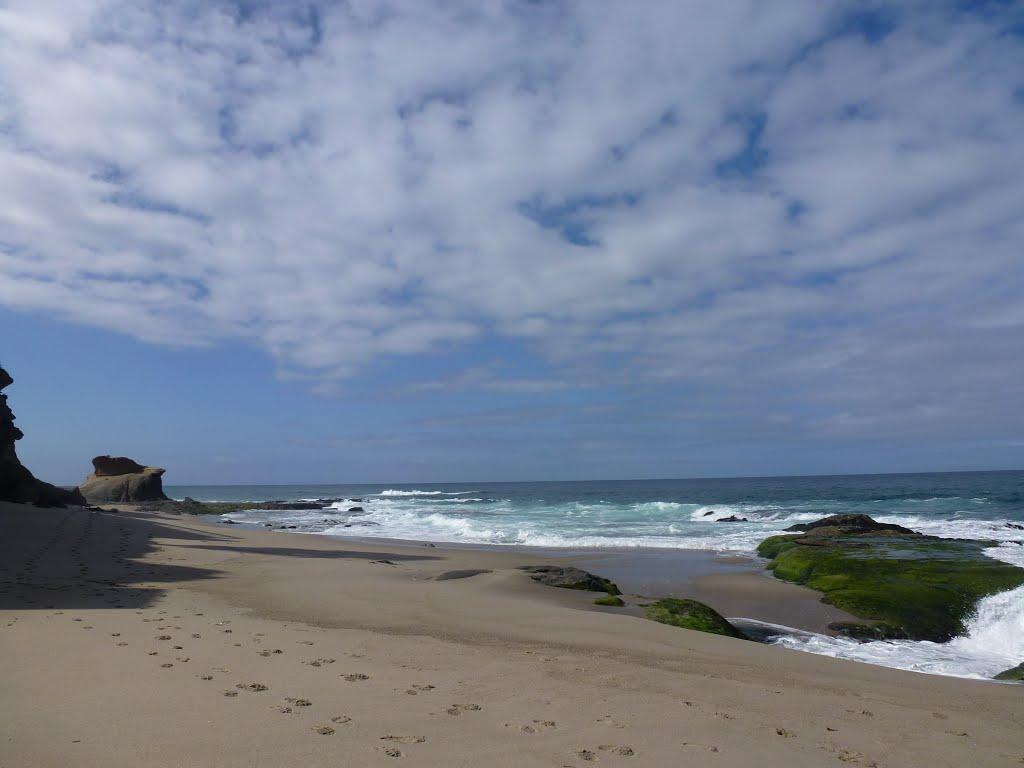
x: 74, y: 558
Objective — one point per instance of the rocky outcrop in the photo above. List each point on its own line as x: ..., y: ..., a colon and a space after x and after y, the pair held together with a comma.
x: 568, y: 577
x: 120, y: 479
x: 847, y: 525
x: 903, y: 584
x: 690, y: 614
x: 1016, y: 674
x: 17, y: 483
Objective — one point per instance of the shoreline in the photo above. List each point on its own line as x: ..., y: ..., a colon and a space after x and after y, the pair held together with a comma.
x: 486, y: 668
x: 735, y: 584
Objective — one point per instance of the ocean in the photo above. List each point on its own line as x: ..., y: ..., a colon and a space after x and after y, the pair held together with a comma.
x: 690, y: 515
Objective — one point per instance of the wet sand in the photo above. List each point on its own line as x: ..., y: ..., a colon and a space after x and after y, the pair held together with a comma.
x: 737, y: 587
x: 153, y: 640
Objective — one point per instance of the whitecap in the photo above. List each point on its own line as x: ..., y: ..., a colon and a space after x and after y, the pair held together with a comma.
x: 993, y: 642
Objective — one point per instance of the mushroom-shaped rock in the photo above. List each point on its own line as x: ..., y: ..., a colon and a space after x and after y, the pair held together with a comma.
x: 118, y: 478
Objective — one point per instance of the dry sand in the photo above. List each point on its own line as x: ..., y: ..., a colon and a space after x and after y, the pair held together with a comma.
x: 151, y: 640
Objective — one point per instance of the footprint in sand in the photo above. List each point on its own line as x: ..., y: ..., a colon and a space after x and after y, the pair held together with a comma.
x: 537, y: 725
x: 254, y: 687
x: 206, y: 677
x: 416, y: 689
x: 324, y: 730
x: 458, y: 709
x: 341, y: 719
x: 617, y: 749
x: 231, y: 694
x: 586, y: 754
x: 393, y: 752
x: 708, y: 747
x: 299, y: 702
x: 313, y: 662
x: 167, y: 665
x: 356, y: 677
x: 285, y: 710
x: 404, y: 739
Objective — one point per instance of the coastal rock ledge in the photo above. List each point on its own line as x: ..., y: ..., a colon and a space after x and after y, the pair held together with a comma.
x: 17, y: 483
x: 120, y: 479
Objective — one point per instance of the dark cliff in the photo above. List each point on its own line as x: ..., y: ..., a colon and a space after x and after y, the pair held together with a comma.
x: 17, y: 483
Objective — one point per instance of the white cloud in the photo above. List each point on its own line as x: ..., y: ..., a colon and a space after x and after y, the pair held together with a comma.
x: 352, y: 184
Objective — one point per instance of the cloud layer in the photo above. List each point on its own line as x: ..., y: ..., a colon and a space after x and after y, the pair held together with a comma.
x: 823, y: 199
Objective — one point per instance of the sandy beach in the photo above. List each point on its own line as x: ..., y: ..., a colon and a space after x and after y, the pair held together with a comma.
x: 160, y: 640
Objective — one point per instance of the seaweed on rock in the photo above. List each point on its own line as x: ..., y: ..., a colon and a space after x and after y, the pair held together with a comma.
x: 691, y: 614
x: 905, y: 585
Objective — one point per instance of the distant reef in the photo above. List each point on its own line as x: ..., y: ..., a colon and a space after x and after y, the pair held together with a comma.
x: 120, y: 479
x: 17, y: 483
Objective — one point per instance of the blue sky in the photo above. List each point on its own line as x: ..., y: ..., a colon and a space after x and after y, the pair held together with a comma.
x: 378, y: 242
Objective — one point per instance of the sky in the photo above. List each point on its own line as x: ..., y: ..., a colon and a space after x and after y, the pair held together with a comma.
x: 377, y: 241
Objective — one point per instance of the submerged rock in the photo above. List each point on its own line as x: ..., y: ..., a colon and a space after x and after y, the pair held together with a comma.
x: 1016, y: 673
x: 904, y: 584
x: 17, y: 483
x: 356, y: 509
x: 568, y: 577
x: 732, y: 519
x: 118, y: 478
x: 691, y: 614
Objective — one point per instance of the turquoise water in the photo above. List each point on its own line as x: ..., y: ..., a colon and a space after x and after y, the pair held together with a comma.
x: 677, y: 514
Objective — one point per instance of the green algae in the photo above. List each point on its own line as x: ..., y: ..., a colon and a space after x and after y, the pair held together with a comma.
x: 690, y: 614
x: 1016, y: 673
x: 610, y: 600
x: 906, y: 586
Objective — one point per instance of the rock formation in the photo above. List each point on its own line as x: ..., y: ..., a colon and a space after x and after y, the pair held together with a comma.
x: 903, y: 584
x: 690, y: 614
x: 16, y: 482
x: 568, y: 577
x: 851, y: 525
x: 118, y: 478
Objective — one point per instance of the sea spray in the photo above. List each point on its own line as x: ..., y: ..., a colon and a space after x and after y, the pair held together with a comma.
x: 993, y: 642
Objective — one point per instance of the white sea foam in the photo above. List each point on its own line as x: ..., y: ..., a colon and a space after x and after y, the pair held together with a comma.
x: 396, y: 492
x: 994, y: 641
x: 658, y: 506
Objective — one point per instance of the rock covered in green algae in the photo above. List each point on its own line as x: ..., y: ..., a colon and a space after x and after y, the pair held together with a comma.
x: 851, y: 524
x: 690, y: 614
x: 905, y: 585
x: 1016, y: 673
x: 611, y: 600
x: 568, y: 577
